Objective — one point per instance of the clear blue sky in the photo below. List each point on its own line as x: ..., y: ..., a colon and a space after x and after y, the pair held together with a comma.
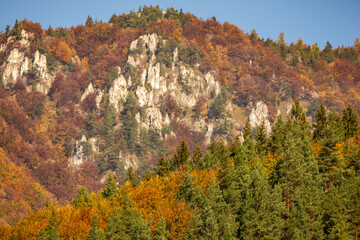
x: 337, y: 21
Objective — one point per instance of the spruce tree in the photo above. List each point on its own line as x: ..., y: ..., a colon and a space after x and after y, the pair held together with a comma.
x: 163, y: 165
x: 182, y: 153
x: 160, y: 232
x: 129, y: 123
x: 350, y: 123
x: 111, y: 187
x: 261, y: 139
x: 261, y: 209
x: 321, y: 122
x: 197, y: 156
x: 50, y: 231
x: 95, y: 232
x: 186, y: 189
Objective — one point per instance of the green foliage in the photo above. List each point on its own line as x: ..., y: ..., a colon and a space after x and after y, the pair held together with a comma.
x: 217, y: 106
x: 82, y: 198
x: 111, y: 187
x: 191, y: 55
x: 349, y: 122
x: 161, y: 232
x: 129, y: 123
x: 186, y: 189
x: 50, y: 231
x: 127, y: 224
x: 182, y: 154
x: 163, y: 165
x: 95, y: 232
x: 164, y: 52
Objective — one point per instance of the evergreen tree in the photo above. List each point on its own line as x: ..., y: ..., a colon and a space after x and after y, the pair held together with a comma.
x: 261, y: 139
x: 132, y: 177
x: 350, y: 122
x: 247, y: 132
x: 50, y: 231
x: 91, y: 125
x: 186, y: 189
x: 197, y: 156
x: 95, y: 232
x: 278, y: 136
x: 182, y: 153
x: 129, y: 123
x: 261, y: 210
x: 298, y: 116
x: 321, y: 122
x: 163, y: 165
x: 82, y: 198
x: 327, y: 52
x: 111, y: 187
x: 160, y: 232
x: 89, y: 21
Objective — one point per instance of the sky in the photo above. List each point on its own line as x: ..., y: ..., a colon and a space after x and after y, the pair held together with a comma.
x: 315, y: 21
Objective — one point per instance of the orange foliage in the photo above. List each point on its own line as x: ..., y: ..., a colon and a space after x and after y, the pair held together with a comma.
x: 62, y: 51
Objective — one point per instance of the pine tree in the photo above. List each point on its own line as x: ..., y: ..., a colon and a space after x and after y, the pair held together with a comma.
x: 163, y: 165
x: 350, y: 123
x: 129, y: 123
x: 186, y: 189
x: 247, y: 132
x: 298, y: 116
x: 278, y: 136
x: 261, y: 139
x: 182, y: 154
x: 50, y: 231
x: 261, y: 209
x: 321, y: 122
x: 132, y: 177
x: 197, y: 156
x: 82, y: 198
x: 111, y: 187
x: 89, y: 21
x: 160, y: 232
x: 95, y: 232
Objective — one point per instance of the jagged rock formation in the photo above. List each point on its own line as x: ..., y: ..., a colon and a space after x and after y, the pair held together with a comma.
x: 259, y: 115
x: 17, y: 64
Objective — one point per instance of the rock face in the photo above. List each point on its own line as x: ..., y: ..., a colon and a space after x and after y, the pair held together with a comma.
x: 258, y: 115
x: 18, y: 64
x: 79, y: 156
x: 184, y: 83
x: 89, y: 90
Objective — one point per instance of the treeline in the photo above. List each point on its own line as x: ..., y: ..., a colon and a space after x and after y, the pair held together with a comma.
x: 299, y: 182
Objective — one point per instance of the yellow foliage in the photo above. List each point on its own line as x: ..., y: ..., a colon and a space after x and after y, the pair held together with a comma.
x: 270, y: 162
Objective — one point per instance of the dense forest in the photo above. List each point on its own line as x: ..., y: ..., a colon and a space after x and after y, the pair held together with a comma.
x: 298, y: 179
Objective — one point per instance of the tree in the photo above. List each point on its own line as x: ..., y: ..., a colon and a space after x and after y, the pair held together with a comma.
x: 82, y: 199
x: 349, y: 122
x: 163, y: 165
x: 197, y: 156
x: 111, y: 187
x: 132, y: 176
x: 321, y: 122
x: 129, y: 123
x: 50, y: 231
x: 160, y: 232
x: 247, y: 132
x: 182, y: 153
x: 261, y: 139
x: 95, y: 232
x: 186, y: 189
x: 89, y: 21
x: 327, y: 52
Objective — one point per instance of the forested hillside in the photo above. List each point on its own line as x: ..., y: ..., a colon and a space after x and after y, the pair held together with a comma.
x: 160, y: 124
